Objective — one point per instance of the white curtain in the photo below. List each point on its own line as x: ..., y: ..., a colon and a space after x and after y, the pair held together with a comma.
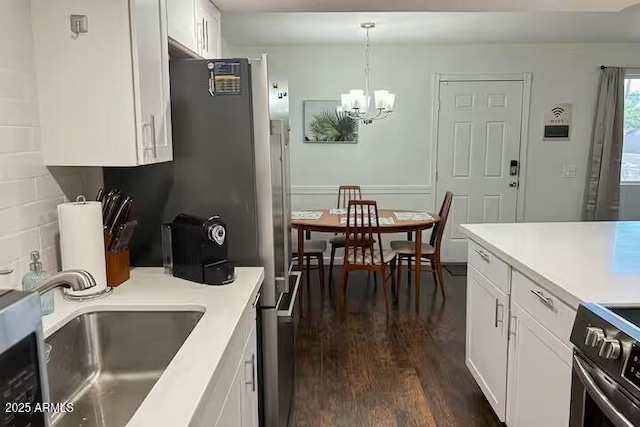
x: 602, y: 195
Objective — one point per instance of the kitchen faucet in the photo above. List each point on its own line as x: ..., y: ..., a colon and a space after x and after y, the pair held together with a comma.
x: 77, y: 280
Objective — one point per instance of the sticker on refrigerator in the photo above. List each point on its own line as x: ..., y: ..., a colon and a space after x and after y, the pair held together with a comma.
x: 226, y: 78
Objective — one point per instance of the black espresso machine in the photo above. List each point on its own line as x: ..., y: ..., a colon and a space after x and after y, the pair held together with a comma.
x: 199, y: 250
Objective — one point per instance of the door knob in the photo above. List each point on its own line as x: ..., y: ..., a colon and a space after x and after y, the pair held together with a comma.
x: 514, y: 184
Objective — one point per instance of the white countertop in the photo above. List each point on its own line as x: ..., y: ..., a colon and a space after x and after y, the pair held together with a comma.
x: 577, y: 261
x: 174, y: 399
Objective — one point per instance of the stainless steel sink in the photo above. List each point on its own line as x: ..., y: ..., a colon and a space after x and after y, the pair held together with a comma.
x: 107, y: 362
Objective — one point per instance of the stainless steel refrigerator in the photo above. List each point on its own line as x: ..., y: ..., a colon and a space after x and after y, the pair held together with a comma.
x: 231, y: 158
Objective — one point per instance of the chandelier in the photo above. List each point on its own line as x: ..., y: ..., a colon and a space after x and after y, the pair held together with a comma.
x: 356, y: 103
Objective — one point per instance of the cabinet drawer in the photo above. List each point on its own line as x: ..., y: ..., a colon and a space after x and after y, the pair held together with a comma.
x: 492, y: 267
x: 543, y: 306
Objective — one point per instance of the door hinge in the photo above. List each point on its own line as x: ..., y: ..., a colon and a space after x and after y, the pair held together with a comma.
x: 438, y: 105
x: 436, y: 176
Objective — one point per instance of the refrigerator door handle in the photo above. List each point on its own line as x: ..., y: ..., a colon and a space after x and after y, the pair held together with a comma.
x: 281, y: 285
x: 288, y: 312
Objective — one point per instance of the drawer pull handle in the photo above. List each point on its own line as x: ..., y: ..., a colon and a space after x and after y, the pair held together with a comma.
x: 545, y: 300
x: 483, y: 255
x: 514, y: 324
x: 255, y: 300
x: 499, y: 309
x: 252, y: 362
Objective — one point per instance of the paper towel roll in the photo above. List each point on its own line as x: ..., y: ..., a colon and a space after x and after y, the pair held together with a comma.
x: 82, y: 242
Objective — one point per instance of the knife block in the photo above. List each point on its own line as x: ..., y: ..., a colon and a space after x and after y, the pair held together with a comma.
x: 118, y: 267
x: 118, y: 264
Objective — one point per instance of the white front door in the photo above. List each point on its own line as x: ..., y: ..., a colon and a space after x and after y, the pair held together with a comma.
x: 478, y: 139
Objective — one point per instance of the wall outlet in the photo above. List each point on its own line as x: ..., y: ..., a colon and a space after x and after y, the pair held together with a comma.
x: 569, y: 171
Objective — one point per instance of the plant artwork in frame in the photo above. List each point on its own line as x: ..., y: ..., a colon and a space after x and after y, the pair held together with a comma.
x: 323, y: 124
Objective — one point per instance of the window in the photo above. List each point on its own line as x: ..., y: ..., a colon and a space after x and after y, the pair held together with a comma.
x: 630, y: 172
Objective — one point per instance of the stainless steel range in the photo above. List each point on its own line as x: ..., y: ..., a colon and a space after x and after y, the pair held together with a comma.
x: 605, y: 388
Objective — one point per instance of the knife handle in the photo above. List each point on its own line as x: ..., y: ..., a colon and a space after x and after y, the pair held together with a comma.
x: 120, y: 215
x: 115, y: 240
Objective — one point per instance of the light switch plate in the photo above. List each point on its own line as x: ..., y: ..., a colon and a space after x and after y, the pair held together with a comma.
x: 569, y: 171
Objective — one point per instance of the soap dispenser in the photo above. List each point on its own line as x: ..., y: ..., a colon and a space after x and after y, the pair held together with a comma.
x: 34, y: 278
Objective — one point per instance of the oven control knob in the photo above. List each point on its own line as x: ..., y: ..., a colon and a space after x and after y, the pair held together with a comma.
x: 610, y: 349
x: 594, y: 337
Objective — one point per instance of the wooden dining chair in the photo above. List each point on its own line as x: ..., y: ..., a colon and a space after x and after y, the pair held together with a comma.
x: 362, y: 223
x: 312, y: 249
x: 429, y: 251
x: 346, y: 193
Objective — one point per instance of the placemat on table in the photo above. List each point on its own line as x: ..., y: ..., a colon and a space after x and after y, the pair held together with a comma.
x: 306, y: 214
x: 412, y: 216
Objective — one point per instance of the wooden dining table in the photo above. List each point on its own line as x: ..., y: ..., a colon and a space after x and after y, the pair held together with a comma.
x: 334, y: 222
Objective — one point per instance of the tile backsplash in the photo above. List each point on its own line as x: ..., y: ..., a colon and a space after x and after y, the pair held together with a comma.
x: 29, y: 191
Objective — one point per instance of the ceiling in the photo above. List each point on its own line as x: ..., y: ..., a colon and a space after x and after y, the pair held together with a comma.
x: 433, y: 27
x: 422, y: 5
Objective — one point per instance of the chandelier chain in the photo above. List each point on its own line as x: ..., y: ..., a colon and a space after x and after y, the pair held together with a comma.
x: 367, y: 71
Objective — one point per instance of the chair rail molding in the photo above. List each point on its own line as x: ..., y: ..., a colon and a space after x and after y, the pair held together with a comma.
x: 301, y: 190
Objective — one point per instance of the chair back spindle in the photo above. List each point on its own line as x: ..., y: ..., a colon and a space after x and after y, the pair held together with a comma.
x: 438, y: 229
x: 362, y: 225
x: 346, y: 193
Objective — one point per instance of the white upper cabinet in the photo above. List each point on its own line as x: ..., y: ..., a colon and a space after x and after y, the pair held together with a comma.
x: 208, y: 30
x: 194, y: 25
x: 103, y: 96
x: 182, y: 24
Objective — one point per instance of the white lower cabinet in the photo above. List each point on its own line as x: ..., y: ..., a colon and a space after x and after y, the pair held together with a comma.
x: 232, y: 398
x: 231, y: 413
x: 249, y: 395
x: 517, y: 346
x: 240, y: 407
x: 539, y: 386
x: 487, y: 338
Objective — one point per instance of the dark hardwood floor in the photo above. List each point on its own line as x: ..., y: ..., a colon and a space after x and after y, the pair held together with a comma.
x: 358, y: 369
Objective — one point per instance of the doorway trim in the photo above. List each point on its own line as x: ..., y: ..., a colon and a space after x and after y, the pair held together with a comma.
x: 526, y: 79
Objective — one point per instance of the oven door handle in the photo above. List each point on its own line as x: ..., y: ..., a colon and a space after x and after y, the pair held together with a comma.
x: 598, y: 396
